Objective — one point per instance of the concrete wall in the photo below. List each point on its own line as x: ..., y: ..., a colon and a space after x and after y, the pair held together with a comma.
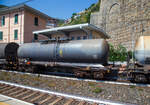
x: 123, y: 20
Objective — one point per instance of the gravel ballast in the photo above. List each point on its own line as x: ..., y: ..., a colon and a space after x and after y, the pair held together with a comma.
x: 121, y: 93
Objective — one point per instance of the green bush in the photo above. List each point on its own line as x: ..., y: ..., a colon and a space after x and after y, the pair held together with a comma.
x: 118, y: 53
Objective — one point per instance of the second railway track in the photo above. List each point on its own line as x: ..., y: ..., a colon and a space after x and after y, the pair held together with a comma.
x: 43, y: 97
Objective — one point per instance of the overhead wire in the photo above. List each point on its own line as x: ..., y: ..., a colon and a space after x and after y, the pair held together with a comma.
x: 14, y: 4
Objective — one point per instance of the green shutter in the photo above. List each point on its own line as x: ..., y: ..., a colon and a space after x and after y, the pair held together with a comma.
x: 16, y: 19
x: 3, y: 21
x: 15, y: 34
x: 1, y: 35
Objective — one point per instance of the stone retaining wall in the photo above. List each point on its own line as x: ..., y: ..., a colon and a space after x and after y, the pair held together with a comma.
x: 123, y: 20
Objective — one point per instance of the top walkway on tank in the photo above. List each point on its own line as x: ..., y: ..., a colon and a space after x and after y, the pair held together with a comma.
x: 87, y: 28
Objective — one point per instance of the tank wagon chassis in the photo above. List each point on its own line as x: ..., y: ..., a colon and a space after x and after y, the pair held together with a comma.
x: 138, y: 74
x: 96, y: 71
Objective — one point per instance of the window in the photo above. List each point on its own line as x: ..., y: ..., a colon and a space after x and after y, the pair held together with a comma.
x: 35, y: 37
x: 72, y: 38
x: 36, y: 21
x: 15, y: 34
x: 1, y: 35
x: 16, y: 19
x: 3, y: 20
x: 78, y: 38
x: 84, y: 37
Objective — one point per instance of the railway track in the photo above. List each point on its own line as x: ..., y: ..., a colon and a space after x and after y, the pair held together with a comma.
x: 43, y: 97
x: 117, y: 82
x: 38, y: 98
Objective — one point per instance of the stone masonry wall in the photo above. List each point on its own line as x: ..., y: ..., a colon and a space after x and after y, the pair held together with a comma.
x: 123, y: 20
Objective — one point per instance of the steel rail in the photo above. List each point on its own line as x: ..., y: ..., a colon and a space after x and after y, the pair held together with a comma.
x: 99, y: 101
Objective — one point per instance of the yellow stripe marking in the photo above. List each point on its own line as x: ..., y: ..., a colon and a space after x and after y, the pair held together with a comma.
x: 61, y: 53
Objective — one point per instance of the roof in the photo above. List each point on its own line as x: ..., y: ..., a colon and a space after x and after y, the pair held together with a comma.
x: 71, y: 28
x: 26, y: 7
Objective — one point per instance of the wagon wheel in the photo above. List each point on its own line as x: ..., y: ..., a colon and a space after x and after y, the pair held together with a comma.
x: 79, y: 74
x: 140, y: 78
x: 21, y: 68
x: 98, y: 75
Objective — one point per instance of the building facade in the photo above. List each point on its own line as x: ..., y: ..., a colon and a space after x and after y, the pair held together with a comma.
x: 123, y: 20
x: 18, y: 22
x: 73, y: 32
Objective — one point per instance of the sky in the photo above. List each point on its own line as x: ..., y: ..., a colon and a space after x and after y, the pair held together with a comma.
x: 61, y: 9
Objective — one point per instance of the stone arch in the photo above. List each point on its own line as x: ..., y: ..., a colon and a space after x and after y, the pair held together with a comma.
x: 113, y: 16
x: 113, y: 20
x: 113, y: 6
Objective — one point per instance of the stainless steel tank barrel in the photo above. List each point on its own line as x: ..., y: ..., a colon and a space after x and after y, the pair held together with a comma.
x: 87, y: 51
x: 142, y: 50
x: 37, y: 51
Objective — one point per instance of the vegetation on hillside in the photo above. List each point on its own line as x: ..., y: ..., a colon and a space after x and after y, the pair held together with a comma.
x: 2, y: 6
x: 84, y: 16
x: 60, y: 22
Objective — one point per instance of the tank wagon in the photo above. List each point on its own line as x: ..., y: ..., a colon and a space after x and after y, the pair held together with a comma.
x: 81, y: 54
x: 141, y: 71
x: 142, y: 50
x: 82, y: 57
x: 8, y: 54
